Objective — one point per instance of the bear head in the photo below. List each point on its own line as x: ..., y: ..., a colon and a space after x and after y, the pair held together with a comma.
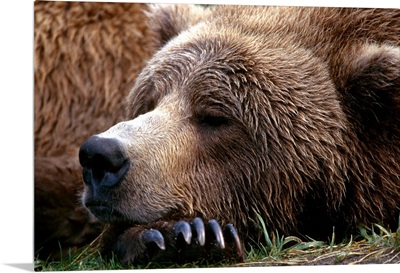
x: 232, y: 117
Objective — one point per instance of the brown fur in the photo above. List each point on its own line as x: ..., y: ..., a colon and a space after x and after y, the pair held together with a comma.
x: 86, y: 57
x: 289, y: 113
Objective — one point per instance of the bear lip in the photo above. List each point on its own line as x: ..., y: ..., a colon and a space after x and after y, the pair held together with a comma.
x: 104, y: 212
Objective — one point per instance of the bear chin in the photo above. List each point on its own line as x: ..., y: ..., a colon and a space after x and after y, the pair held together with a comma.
x: 105, y: 214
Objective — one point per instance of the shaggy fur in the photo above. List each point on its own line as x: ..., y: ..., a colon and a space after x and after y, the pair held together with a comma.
x: 86, y: 57
x: 289, y: 113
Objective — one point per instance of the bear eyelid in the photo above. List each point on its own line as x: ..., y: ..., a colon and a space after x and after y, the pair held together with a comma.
x: 213, y: 119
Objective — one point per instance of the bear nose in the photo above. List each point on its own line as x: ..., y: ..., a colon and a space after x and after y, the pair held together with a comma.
x: 104, y: 161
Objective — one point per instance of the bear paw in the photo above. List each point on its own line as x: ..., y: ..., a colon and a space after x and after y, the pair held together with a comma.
x: 179, y: 242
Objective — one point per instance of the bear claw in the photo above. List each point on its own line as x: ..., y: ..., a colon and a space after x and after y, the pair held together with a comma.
x: 154, y: 236
x: 231, y: 234
x: 198, y: 226
x: 217, y: 231
x: 183, y: 228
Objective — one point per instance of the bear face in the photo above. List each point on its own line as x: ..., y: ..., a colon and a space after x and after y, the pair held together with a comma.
x: 205, y: 118
x: 236, y: 117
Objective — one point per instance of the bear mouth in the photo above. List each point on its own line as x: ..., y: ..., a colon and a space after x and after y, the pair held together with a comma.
x: 104, y: 212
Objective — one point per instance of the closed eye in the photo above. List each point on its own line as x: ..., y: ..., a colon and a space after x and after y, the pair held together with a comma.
x: 213, y: 121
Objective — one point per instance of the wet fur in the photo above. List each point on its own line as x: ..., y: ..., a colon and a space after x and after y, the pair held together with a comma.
x: 310, y: 97
x: 86, y: 56
x: 290, y: 113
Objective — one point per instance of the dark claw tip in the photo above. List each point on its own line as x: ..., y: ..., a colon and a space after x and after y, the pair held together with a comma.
x: 216, y: 229
x: 183, y: 228
x: 154, y: 236
x: 230, y: 232
x: 198, y: 226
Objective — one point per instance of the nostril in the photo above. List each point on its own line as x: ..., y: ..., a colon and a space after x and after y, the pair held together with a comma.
x: 103, y: 161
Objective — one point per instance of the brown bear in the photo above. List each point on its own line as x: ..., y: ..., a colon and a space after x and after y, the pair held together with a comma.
x: 286, y: 113
x: 86, y: 56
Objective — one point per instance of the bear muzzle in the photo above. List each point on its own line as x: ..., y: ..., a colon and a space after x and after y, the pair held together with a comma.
x: 104, y: 168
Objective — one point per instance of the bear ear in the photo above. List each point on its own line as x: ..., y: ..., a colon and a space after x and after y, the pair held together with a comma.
x: 169, y: 20
x: 372, y: 90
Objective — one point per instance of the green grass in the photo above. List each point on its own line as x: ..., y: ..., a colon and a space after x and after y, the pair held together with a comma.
x: 373, y: 245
